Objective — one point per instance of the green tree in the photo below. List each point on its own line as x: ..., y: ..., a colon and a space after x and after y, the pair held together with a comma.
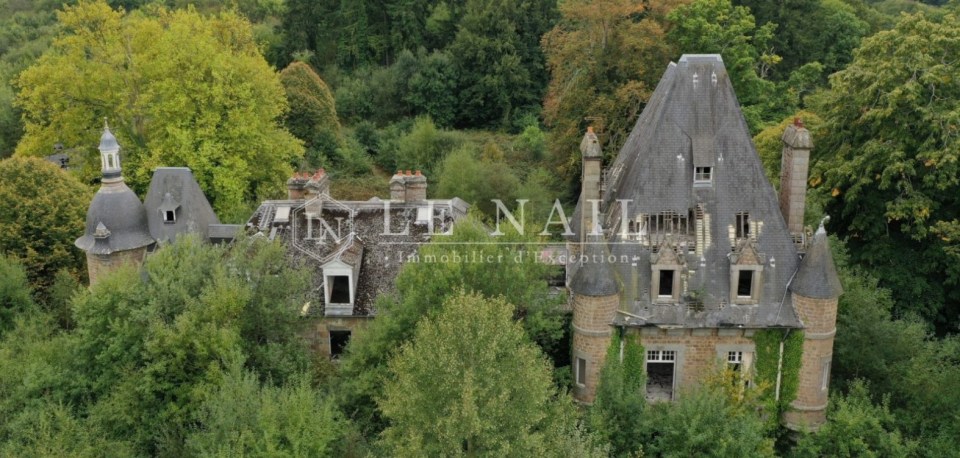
x: 620, y: 401
x: 244, y: 418
x: 716, y: 26
x: 604, y: 58
x: 422, y: 287
x: 856, y: 427
x: 892, y: 169
x: 312, y: 116
x: 42, y: 212
x: 425, y: 145
x: 179, y: 89
x: 14, y: 292
x: 469, y: 383
x: 477, y: 181
x: 149, y: 344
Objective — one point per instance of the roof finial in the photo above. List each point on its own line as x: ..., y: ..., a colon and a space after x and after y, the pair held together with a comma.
x: 105, y: 125
x: 821, y: 230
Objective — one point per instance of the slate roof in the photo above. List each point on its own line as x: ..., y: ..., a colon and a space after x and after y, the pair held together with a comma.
x: 121, y: 213
x: 817, y: 277
x: 595, y: 276
x: 380, y: 255
x: 175, y: 189
x: 693, y: 119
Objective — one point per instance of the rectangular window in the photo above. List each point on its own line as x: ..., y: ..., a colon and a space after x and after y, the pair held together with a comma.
x: 581, y: 371
x: 665, y: 288
x: 825, y: 382
x: 340, y: 289
x: 702, y: 175
x: 745, y: 284
x: 735, y: 360
x: 743, y: 225
x: 169, y: 216
x: 661, y: 366
x: 338, y: 342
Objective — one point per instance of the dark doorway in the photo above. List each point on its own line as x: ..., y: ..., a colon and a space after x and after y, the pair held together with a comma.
x: 340, y: 290
x: 338, y: 342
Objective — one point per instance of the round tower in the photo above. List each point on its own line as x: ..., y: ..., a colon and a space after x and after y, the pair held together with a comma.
x: 596, y: 298
x: 117, y: 232
x: 815, y: 291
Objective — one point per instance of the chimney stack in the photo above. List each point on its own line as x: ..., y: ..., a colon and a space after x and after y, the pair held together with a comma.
x: 794, y: 165
x: 307, y: 186
x: 398, y: 189
x: 416, y: 186
x: 592, y: 158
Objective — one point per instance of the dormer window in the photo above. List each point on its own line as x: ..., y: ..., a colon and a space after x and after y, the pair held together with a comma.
x: 745, y: 284
x: 745, y: 274
x: 168, y: 209
x: 169, y: 217
x: 702, y: 175
x: 742, y: 226
x: 665, y: 267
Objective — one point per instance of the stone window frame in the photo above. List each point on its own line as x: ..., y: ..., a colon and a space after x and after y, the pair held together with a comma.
x: 825, y: 373
x: 680, y: 359
x: 655, y: 296
x: 723, y: 350
x: 580, y: 378
x: 755, y: 286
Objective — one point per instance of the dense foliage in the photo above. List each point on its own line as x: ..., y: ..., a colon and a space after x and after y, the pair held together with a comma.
x: 42, y: 212
x: 179, y: 88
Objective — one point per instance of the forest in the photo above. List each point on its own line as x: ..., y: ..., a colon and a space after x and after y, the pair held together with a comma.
x: 199, y: 354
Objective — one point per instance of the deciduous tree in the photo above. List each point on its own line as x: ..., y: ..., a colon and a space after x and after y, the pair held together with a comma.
x: 179, y: 88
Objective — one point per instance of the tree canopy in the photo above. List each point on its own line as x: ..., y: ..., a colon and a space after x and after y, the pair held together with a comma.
x: 179, y: 89
x: 890, y: 146
x: 42, y: 212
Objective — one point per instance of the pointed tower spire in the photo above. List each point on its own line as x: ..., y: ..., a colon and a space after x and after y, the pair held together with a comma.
x: 109, y: 155
x: 817, y: 277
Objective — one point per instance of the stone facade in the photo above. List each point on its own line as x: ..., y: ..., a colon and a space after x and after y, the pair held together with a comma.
x: 591, y: 338
x: 699, y: 352
x: 317, y: 333
x: 99, y: 265
x: 820, y: 320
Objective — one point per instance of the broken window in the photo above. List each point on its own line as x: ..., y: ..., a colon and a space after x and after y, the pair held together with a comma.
x: 745, y: 284
x: 742, y: 225
x: 702, y: 175
x: 661, y: 365
x: 652, y: 229
x: 665, y: 288
x: 340, y: 289
x: 338, y: 343
x: 169, y: 216
x: 735, y: 360
x: 581, y: 371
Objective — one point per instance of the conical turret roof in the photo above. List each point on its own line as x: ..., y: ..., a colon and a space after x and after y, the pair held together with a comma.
x: 817, y: 277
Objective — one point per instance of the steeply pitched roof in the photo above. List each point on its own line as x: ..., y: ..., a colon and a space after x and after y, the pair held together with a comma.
x: 175, y: 189
x: 596, y: 276
x: 692, y: 120
x: 817, y: 277
x: 120, y: 212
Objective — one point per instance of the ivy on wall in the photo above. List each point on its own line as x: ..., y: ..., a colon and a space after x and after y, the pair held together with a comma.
x: 767, y: 342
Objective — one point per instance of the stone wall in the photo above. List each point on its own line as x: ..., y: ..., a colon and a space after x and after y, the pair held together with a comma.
x: 591, y: 338
x: 318, y: 331
x: 100, y: 265
x: 697, y: 349
x: 819, y: 316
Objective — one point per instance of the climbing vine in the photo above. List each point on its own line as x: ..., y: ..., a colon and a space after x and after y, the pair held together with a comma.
x: 767, y: 344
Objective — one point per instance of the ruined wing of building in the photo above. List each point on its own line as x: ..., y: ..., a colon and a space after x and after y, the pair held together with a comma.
x: 354, y: 248
x: 693, y: 253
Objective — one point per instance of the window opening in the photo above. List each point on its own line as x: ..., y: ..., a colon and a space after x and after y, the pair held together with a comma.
x: 661, y: 365
x: 745, y: 284
x: 743, y: 225
x: 665, y: 288
x: 702, y: 174
x: 169, y: 216
x: 340, y: 290
x: 581, y: 371
x: 338, y: 343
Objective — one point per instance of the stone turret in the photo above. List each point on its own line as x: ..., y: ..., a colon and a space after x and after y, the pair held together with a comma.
x: 117, y: 231
x: 592, y: 158
x: 815, y: 291
x: 596, y: 297
x: 794, y: 164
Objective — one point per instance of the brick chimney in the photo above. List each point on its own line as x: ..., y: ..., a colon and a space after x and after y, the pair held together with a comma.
x: 794, y: 165
x: 416, y: 185
x: 307, y: 186
x: 398, y: 189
